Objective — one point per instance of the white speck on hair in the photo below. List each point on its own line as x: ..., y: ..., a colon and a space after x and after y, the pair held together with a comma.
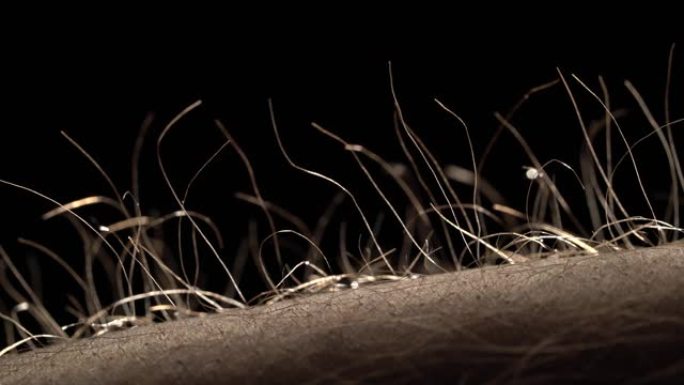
x: 532, y: 173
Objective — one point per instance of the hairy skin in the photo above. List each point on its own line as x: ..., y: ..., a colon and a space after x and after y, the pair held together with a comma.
x: 605, y: 318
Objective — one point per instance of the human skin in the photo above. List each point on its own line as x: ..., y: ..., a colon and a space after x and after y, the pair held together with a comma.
x: 591, y: 319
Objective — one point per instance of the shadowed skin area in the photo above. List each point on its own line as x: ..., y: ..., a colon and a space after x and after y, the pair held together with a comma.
x: 615, y: 317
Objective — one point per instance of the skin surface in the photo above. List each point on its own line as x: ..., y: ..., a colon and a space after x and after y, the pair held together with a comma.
x: 611, y: 318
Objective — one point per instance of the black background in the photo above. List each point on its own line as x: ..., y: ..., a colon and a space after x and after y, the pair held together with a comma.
x: 99, y: 89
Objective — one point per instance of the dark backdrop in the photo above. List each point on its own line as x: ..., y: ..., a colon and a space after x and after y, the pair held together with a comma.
x: 100, y: 90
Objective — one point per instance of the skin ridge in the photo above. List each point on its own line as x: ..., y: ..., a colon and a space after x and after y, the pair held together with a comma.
x: 612, y: 317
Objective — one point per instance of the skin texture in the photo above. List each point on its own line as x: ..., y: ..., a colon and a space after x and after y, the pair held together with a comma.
x: 616, y: 317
